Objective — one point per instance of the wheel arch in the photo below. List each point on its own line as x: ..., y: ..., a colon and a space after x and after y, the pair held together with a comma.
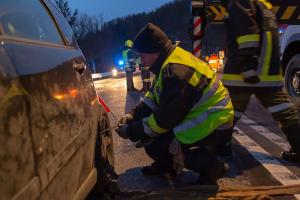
x: 291, y: 50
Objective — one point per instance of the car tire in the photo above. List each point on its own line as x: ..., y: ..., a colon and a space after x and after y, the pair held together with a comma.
x: 104, y: 158
x: 292, y: 77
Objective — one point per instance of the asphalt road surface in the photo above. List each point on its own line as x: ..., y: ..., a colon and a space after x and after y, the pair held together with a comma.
x: 257, y: 146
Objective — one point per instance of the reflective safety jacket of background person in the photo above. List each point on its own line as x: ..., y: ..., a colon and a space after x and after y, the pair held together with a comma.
x: 200, y: 108
x: 253, y: 48
x: 129, y: 57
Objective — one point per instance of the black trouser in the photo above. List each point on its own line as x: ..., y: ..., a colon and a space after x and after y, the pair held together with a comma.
x: 129, y: 80
x: 275, y: 101
x: 199, y: 157
x: 145, y: 74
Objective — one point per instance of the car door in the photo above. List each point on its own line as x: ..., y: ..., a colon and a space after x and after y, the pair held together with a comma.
x: 52, y: 73
x: 93, y: 112
x: 18, y: 178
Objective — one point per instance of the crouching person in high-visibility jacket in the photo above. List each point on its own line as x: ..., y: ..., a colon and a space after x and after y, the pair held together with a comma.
x: 185, y: 119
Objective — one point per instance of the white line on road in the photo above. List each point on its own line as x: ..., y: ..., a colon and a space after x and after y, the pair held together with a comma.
x: 282, y: 174
x: 281, y: 142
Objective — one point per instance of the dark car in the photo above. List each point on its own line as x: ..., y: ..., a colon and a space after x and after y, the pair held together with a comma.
x: 53, y: 143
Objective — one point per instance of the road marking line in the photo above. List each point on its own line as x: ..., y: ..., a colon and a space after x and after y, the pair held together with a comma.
x: 281, y: 142
x: 282, y: 174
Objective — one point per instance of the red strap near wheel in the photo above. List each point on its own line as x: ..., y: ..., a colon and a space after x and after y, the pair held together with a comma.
x: 103, y: 104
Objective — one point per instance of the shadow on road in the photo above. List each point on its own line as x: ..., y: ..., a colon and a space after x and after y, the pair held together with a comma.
x: 163, y: 187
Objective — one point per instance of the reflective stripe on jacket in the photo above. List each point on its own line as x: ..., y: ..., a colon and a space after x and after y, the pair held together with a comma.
x: 213, y: 109
x: 124, y: 54
x: 129, y: 59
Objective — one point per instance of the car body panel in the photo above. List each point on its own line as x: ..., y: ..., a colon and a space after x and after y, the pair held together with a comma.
x: 290, y: 35
x: 58, y: 118
x: 17, y: 167
x: 58, y: 112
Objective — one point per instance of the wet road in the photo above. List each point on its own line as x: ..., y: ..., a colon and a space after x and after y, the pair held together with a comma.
x: 257, y: 148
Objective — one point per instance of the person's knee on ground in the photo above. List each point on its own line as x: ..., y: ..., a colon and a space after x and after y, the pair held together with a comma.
x: 204, y: 162
x: 158, y: 151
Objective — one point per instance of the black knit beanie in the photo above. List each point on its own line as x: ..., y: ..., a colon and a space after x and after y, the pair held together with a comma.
x: 150, y: 39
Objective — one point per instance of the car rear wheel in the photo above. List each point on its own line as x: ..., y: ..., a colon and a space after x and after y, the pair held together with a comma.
x: 104, y: 157
x: 292, y: 77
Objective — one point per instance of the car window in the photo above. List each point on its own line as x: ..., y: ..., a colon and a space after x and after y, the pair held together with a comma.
x: 28, y: 19
x: 63, y: 24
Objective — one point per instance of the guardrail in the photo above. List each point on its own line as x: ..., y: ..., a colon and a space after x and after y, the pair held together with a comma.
x: 99, y: 76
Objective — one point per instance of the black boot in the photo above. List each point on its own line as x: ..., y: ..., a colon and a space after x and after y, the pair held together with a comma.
x: 213, y: 174
x: 291, y: 156
x: 293, y: 135
x: 155, y: 169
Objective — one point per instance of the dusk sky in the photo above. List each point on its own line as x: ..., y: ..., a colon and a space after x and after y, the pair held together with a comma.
x: 111, y: 9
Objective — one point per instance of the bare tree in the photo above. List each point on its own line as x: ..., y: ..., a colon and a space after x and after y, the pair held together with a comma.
x: 70, y: 15
x: 81, y: 23
x: 88, y: 24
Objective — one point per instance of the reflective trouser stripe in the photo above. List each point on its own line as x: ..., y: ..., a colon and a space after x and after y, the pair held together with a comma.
x: 259, y: 84
x: 249, y: 73
x: 280, y: 107
x: 238, y: 77
x: 238, y: 80
x: 249, y: 45
x: 203, y: 116
x: 246, y: 39
x: 150, y: 103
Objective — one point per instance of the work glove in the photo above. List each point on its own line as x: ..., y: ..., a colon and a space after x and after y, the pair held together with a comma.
x: 122, y: 131
x: 252, y: 79
x: 126, y: 118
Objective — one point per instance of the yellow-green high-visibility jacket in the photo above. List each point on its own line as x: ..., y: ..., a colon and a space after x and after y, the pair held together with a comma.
x: 253, y: 49
x: 212, y: 111
x: 129, y: 57
x: 124, y: 54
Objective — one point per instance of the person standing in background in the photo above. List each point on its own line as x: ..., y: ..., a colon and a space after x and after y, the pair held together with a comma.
x: 129, y: 57
x: 253, y: 67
